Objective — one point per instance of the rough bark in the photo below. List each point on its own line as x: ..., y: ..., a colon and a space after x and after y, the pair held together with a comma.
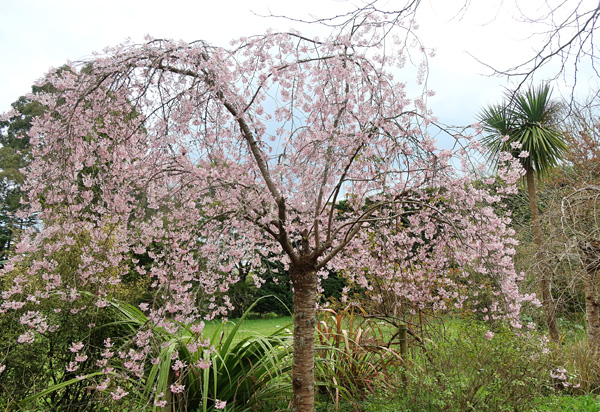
x: 544, y: 285
x: 304, y: 280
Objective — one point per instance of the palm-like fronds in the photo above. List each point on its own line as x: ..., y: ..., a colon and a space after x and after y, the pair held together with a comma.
x: 527, y: 118
x: 352, y: 360
x: 497, y: 122
x: 242, y: 372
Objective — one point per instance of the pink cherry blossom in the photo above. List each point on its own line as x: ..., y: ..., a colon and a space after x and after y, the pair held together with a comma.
x: 118, y: 393
x: 72, y: 367
x: 203, y: 364
x: 81, y: 358
x: 76, y: 347
x: 27, y: 337
x: 102, y: 386
x: 177, y: 388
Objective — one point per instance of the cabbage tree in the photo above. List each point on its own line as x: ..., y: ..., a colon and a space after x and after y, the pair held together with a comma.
x: 525, y: 124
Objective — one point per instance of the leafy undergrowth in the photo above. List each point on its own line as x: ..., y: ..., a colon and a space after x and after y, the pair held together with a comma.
x: 458, y: 365
x: 585, y: 403
x: 453, y: 364
x: 243, y: 372
x: 455, y: 368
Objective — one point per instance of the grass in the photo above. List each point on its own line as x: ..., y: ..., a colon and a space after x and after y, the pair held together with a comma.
x: 269, y: 325
x: 583, y: 403
x: 250, y: 327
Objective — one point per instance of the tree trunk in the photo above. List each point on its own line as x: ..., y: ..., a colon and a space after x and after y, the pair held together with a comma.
x: 592, y: 310
x: 304, y: 280
x: 544, y: 286
x: 591, y: 284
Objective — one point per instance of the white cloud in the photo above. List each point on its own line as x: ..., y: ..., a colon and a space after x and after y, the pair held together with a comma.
x: 38, y: 34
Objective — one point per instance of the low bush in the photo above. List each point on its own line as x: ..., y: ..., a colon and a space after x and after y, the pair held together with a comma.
x: 474, y: 369
x: 32, y: 368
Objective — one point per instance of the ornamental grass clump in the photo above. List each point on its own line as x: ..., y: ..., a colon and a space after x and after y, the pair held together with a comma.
x: 352, y: 359
x: 191, y: 373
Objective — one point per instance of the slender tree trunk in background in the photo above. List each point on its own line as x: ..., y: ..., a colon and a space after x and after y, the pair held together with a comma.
x: 591, y: 284
x: 544, y: 285
x: 304, y: 280
x: 592, y: 309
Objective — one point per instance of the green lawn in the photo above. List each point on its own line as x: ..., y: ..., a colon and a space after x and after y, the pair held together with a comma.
x: 250, y: 327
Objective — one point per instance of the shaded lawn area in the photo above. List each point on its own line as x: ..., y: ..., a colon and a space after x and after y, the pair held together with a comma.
x: 249, y: 327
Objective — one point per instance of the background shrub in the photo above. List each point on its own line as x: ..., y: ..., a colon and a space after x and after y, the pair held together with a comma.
x: 469, y: 370
x: 32, y: 368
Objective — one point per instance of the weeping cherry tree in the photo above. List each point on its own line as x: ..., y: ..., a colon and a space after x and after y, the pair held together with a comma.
x: 224, y: 155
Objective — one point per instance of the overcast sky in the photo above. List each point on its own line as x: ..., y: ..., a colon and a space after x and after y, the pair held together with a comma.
x: 38, y: 34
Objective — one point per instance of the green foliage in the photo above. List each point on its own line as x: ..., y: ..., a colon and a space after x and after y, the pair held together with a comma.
x: 14, y: 156
x: 31, y: 369
x: 36, y: 375
x: 528, y: 118
x: 275, y: 281
x: 468, y: 372
x: 333, y: 286
x: 586, y: 403
x: 268, y: 315
x: 247, y: 373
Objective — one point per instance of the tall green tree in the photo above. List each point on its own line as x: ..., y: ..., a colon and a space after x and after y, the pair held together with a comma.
x: 526, y: 125
x: 14, y: 157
